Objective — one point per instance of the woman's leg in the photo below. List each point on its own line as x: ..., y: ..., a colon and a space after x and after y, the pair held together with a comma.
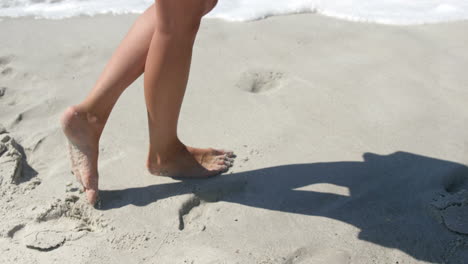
x: 83, y: 123
x: 166, y: 75
x: 125, y: 66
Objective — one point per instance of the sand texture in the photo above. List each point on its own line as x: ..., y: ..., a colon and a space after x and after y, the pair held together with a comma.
x: 351, y: 143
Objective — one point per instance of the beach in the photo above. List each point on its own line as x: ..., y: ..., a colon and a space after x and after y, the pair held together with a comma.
x: 351, y: 143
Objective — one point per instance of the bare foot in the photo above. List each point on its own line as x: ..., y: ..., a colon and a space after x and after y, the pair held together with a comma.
x: 190, y: 162
x: 83, y: 132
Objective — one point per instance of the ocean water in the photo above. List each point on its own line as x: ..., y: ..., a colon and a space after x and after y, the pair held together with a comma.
x: 378, y: 11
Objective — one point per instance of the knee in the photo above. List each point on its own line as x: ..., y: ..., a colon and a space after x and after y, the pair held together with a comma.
x: 184, y: 26
x: 189, y: 25
x: 183, y: 16
x: 209, y: 5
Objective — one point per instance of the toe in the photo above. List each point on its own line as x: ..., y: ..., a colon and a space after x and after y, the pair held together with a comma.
x: 92, y: 196
x: 214, y: 170
x: 91, y: 192
x: 231, y: 155
x: 219, y: 168
x: 225, y: 157
x: 228, y: 159
x: 227, y: 163
x: 231, y: 160
x: 220, y: 158
x: 224, y: 162
x: 90, y: 184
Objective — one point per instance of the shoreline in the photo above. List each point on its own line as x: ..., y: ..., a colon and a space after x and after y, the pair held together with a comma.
x: 359, y: 21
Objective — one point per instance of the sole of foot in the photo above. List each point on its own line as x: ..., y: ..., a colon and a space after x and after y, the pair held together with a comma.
x: 82, y: 133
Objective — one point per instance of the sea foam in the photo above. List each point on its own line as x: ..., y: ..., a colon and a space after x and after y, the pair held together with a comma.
x: 378, y: 11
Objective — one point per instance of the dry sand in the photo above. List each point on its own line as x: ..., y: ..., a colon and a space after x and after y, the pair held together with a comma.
x: 352, y: 144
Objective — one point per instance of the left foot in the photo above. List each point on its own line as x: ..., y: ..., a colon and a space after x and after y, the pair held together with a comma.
x: 181, y: 161
x: 82, y: 132
x: 206, y: 156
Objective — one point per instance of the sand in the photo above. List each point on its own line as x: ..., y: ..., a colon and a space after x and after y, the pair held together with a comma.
x: 351, y: 141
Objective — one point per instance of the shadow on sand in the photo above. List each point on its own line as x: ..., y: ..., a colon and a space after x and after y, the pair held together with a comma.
x: 389, y: 198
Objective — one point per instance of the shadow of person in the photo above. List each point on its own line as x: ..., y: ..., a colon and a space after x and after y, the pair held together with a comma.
x: 389, y: 198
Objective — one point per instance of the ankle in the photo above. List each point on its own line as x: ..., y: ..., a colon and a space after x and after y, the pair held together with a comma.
x: 79, y: 115
x: 165, y: 151
x: 90, y: 114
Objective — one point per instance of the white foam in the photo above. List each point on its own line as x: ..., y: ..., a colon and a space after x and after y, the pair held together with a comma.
x: 379, y: 11
x: 57, y: 9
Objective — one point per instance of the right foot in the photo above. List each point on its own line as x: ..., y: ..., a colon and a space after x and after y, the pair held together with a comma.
x: 83, y: 132
x: 189, y: 162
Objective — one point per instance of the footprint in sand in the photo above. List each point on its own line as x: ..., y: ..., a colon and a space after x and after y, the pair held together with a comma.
x: 457, y: 180
x: 2, y: 91
x: 455, y: 218
x: 61, y: 221
x: 453, y: 210
x: 4, y: 62
x: 260, y: 81
x: 44, y: 240
x: 205, y: 194
x: 12, y: 231
x: 75, y: 208
x: 452, y: 205
x: 184, y: 210
x: 7, y: 71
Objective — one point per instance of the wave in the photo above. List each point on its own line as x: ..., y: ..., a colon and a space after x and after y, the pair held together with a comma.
x: 377, y: 11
